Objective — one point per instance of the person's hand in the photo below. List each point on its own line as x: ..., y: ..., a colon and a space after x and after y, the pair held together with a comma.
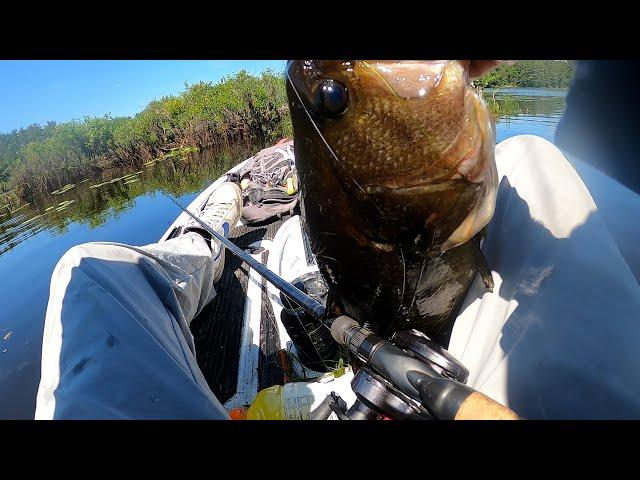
x: 477, y: 68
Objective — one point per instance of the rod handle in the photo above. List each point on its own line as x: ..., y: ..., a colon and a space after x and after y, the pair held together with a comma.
x: 478, y: 406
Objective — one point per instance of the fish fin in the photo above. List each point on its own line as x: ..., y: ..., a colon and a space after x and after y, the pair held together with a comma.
x: 482, y: 265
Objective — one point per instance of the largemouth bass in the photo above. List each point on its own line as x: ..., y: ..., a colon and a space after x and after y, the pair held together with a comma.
x: 398, y: 180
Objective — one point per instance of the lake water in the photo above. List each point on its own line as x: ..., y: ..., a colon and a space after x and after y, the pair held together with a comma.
x: 539, y: 111
x: 134, y: 210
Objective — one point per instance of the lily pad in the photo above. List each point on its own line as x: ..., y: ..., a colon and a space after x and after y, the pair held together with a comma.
x: 64, y: 189
x: 19, y: 208
x: 27, y: 222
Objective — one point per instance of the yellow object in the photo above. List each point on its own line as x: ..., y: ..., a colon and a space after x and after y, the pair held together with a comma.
x: 268, y: 405
x: 244, y: 183
x: 291, y: 186
x: 296, y: 400
x: 292, y: 401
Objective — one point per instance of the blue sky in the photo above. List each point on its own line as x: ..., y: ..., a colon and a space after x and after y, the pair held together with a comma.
x: 36, y: 91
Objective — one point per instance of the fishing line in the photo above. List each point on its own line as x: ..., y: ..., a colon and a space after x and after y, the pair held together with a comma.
x: 415, y: 291
x: 404, y: 280
x: 301, y: 299
x: 310, y: 341
x: 347, y: 172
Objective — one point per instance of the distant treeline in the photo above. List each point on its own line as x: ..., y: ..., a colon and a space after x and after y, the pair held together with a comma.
x: 40, y: 159
x: 530, y: 73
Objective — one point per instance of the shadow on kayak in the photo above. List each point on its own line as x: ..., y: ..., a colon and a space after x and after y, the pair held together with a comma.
x: 569, y: 347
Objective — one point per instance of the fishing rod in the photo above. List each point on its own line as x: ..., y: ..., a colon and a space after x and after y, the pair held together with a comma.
x: 311, y: 306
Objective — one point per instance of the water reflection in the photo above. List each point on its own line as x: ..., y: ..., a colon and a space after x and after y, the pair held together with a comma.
x: 95, y: 201
x: 538, y: 111
x: 35, y: 237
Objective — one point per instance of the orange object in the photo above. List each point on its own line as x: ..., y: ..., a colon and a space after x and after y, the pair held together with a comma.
x: 285, y: 365
x: 239, y: 413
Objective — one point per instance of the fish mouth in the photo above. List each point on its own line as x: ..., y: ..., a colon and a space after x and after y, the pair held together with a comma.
x: 467, y: 165
x: 407, y: 78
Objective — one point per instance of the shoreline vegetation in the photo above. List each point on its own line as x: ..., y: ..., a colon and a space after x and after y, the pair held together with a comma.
x: 239, y: 109
x: 505, y: 107
x: 523, y: 74
x: 53, y: 158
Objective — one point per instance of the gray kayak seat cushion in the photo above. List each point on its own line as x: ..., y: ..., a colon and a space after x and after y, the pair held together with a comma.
x: 265, y: 197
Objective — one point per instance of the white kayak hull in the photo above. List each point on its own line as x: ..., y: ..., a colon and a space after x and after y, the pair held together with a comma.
x: 289, y: 258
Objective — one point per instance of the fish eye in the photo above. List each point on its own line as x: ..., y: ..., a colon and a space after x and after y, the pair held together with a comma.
x: 331, y: 98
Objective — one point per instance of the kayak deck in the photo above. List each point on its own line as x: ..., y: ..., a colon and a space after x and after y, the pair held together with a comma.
x: 218, y: 329
x: 238, y: 335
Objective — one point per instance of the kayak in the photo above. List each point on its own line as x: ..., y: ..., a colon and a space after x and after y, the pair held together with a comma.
x: 240, y: 336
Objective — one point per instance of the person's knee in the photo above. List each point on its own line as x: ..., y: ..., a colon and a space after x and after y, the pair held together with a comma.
x: 77, y: 255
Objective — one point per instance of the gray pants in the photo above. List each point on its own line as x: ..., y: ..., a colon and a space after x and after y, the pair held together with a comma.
x: 117, y: 342
x: 558, y: 337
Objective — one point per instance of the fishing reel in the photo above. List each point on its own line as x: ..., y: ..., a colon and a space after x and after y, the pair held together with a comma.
x: 377, y: 396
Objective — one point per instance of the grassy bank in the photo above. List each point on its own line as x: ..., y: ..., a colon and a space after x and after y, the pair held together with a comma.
x: 97, y: 200
x: 46, y: 159
x: 505, y: 107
